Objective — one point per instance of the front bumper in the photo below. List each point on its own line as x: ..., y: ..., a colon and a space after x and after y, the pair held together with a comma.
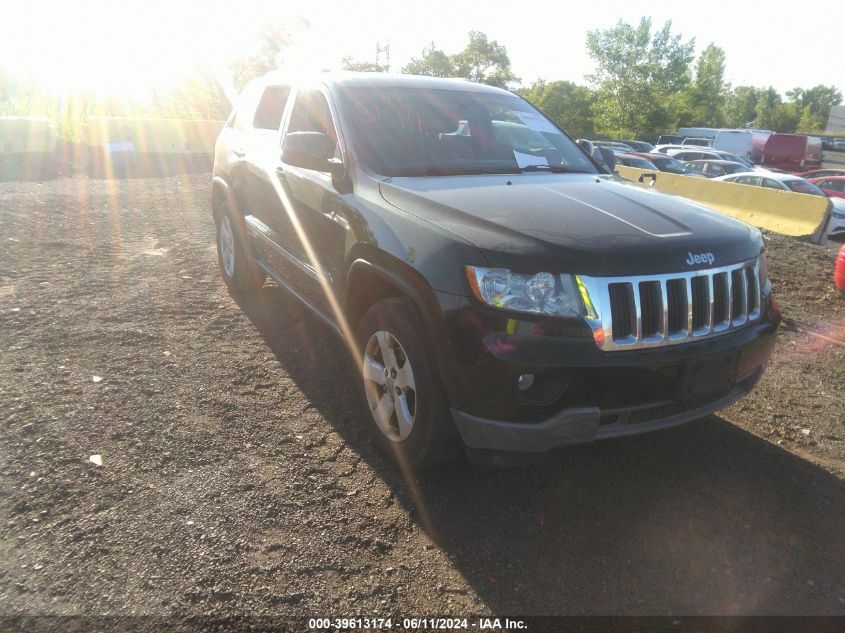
x: 582, y: 393
x: 580, y: 425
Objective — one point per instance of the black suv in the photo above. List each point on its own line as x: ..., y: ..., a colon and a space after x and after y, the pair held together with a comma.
x: 496, y: 285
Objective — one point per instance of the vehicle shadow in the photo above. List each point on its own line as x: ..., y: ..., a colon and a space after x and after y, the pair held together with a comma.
x: 703, y: 519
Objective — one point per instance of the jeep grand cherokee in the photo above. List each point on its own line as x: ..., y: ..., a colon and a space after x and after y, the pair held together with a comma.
x: 496, y: 284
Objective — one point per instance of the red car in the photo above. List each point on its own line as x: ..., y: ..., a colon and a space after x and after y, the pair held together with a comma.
x: 833, y: 186
x: 839, y: 271
x: 818, y: 173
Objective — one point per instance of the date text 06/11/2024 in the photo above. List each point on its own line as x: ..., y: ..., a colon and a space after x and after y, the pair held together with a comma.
x: 412, y: 624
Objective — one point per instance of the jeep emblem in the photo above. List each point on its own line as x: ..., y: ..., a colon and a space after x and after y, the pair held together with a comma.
x: 700, y: 258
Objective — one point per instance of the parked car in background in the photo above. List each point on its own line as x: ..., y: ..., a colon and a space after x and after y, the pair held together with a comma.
x: 834, y: 186
x: 614, y: 146
x: 664, y: 148
x: 714, y: 168
x: 839, y: 270
x: 668, y: 164
x: 792, y: 152
x: 818, y: 173
x: 704, y: 153
x: 669, y: 139
x: 827, y: 143
x: 637, y: 146
x: 839, y: 145
x: 795, y: 184
x: 698, y: 132
x: 742, y: 143
x: 634, y: 160
x: 699, y: 142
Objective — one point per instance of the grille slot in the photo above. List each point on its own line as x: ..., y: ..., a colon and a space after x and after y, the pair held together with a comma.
x: 752, y: 284
x: 700, y: 304
x: 659, y: 310
x: 623, y: 311
x: 651, y: 307
x: 721, y: 301
x: 676, y: 289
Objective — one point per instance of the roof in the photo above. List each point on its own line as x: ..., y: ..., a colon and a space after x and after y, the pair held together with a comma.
x: 716, y: 162
x: 767, y: 174
x: 350, y: 79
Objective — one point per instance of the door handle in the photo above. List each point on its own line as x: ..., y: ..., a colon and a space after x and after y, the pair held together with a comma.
x: 237, y: 151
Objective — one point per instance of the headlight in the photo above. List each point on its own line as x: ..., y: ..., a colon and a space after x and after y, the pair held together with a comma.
x: 765, y: 283
x: 540, y: 293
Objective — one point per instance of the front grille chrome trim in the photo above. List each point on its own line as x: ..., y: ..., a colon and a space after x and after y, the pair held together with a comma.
x: 671, y: 311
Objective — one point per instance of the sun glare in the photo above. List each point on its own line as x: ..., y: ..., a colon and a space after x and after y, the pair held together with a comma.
x: 115, y: 51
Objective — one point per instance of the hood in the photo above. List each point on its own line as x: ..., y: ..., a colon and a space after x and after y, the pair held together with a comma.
x: 580, y: 223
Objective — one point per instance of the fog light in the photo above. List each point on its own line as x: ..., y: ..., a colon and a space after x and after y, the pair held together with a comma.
x: 524, y: 382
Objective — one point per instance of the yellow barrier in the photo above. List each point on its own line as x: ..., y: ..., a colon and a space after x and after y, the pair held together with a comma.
x: 26, y: 135
x: 783, y: 212
x: 154, y: 136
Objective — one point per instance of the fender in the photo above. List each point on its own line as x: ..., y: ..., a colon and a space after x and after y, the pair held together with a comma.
x: 429, y: 310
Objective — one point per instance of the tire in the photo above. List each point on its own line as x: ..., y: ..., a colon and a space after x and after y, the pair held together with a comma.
x: 234, y: 255
x: 400, y: 386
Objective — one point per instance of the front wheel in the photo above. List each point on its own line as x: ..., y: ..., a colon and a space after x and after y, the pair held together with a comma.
x: 405, y: 406
x: 239, y: 270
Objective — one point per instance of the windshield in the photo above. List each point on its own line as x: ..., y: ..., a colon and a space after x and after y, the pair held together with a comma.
x: 672, y: 165
x: 640, y: 163
x: 803, y: 186
x: 737, y: 159
x: 425, y: 132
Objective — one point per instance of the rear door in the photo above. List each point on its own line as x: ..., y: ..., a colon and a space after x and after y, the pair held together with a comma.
x: 258, y: 156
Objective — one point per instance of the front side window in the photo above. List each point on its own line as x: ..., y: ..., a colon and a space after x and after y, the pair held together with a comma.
x: 419, y: 131
x: 311, y: 113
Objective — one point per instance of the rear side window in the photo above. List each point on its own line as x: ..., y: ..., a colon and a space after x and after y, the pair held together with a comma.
x: 271, y: 106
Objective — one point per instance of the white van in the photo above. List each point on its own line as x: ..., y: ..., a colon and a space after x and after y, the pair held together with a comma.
x: 741, y: 142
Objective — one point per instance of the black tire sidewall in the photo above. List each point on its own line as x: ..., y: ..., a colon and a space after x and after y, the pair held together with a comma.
x: 420, y: 448
x: 246, y: 276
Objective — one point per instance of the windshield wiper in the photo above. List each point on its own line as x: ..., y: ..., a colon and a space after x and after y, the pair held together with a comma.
x: 554, y: 169
x: 466, y: 171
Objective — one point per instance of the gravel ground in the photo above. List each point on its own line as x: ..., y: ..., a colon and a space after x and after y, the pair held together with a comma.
x: 236, y: 479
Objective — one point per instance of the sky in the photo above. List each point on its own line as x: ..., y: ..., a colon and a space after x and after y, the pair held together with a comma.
x: 116, y: 50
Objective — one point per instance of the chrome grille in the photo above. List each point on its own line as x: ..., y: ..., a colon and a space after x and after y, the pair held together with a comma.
x: 658, y: 310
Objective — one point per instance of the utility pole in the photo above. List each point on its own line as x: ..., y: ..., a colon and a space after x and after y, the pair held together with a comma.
x: 386, y: 50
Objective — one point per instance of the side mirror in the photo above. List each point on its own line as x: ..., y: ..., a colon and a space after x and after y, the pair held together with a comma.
x: 606, y: 157
x: 309, y: 150
x: 586, y: 145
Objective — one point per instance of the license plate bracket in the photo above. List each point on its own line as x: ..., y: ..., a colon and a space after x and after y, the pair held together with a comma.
x: 707, y: 378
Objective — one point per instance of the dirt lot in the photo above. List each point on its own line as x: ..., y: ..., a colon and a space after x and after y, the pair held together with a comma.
x: 236, y: 479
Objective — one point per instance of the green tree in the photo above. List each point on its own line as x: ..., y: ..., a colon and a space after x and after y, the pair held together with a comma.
x: 349, y: 63
x: 707, y: 94
x: 484, y: 61
x: 433, y: 63
x: 815, y: 104
x: 638, y: 76
x: 768, y: 101
x: 569, y: 104
x: 810, y: 121
x: 740, y: 106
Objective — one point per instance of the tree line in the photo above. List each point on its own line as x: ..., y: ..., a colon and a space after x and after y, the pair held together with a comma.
x: 647, y: 81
